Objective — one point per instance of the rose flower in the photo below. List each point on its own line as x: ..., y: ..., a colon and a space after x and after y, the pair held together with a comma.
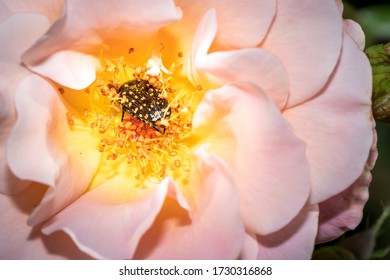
x: 181, y: 129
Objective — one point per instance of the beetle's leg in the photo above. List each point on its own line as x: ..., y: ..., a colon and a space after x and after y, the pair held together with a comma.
x: 123, y: 114
x: 159, y: 128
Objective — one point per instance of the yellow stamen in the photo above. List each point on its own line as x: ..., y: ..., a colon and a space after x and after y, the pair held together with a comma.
x: 149, y: 153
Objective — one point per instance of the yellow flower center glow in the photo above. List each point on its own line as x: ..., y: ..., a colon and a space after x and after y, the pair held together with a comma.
x: 131, y: 145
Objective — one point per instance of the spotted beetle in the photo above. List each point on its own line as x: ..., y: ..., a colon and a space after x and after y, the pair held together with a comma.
x: 142, y: 101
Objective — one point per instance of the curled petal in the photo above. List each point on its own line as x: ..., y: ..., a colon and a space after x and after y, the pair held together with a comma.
x: 9, y: 184
x: 26, y: 144
x: 18, y: 241
x: 117, y: 216
x: 83, y: 29
x: 344, y: 211
x: 204, y: 36
x: 11, y: 71
x: 354, y: 30
x: 244, y: 127
x: 336, y: 125
x: 70, y: 68
x: 240, y: 18
x: 257, y: 66
x: 293, y: 242
x: 214, y: 230
x: 299, y: 40
x: 76, y: 172
x: 42, y: 149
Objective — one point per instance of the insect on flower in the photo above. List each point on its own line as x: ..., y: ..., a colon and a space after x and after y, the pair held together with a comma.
x: 143, y: 102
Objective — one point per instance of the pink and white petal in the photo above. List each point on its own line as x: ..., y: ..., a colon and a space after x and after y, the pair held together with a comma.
x: 250, y: 249
x: 28, y: 154
x: 215, y: 229
x: 293, y: 242
x: 51, y: 9
x: 83, y: 29
x: 354, y: 30
x: 340, y: 5
x: 78, y: 166
x: 9, y: 183
x: 108, y: 221
x: 73, y: 69
x: 302, y: 32
x: 11, y: 71
x: 19, y: 241
x: 41, y: 148
x: 203, y: 39
x: 344, y: 211
x: 373, y: 156
x: 257, y: 66
x: 336, y: 125
x: 244, y: 127
x: 176, y: 194
x: 247, y: 20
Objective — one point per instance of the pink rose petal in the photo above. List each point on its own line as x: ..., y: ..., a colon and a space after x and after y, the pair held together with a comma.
x: 340, y: 5
x: 257, y: 66
x: 293, y: 242
x: 14, y: 45
x: 203, y: 39
x: 18, y: 241
x: 73, y: 69
x: 356, y: 32
x: 25, y: 144
x: 11, y: 71
x: 48, y: 155
x: 337, y: 126
x: 344, y: 211
x: 87, y: 25
x: 51, y: 9
x: 306, y: 35
x: 116, y: 216
x: 249, y: 28
x: 215, y: 230
x: 250, y: 249
x: 244, y: 127
x: 34, y: 115
x: 249, y: 197
x: 241, y: 24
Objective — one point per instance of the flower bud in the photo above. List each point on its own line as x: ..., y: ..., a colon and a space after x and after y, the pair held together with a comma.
x: 379, y: 56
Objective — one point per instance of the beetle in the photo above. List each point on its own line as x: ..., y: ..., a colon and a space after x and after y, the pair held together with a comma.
x: 143, y: 102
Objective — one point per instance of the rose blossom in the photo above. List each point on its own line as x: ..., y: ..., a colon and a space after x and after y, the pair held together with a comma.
x: 267, y: 147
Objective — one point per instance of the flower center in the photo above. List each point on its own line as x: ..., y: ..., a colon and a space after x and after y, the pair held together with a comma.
x: 141, y: 120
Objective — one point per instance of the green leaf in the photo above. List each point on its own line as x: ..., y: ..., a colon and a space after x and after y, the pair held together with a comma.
x: 380, y: 254
x: 333, y: 253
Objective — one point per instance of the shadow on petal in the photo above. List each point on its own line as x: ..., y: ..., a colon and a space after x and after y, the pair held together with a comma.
x: 293, y: 242
x: 58, y: 244
x: 30, y: 198
x: 171, y: 213
x: 19, y: 241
